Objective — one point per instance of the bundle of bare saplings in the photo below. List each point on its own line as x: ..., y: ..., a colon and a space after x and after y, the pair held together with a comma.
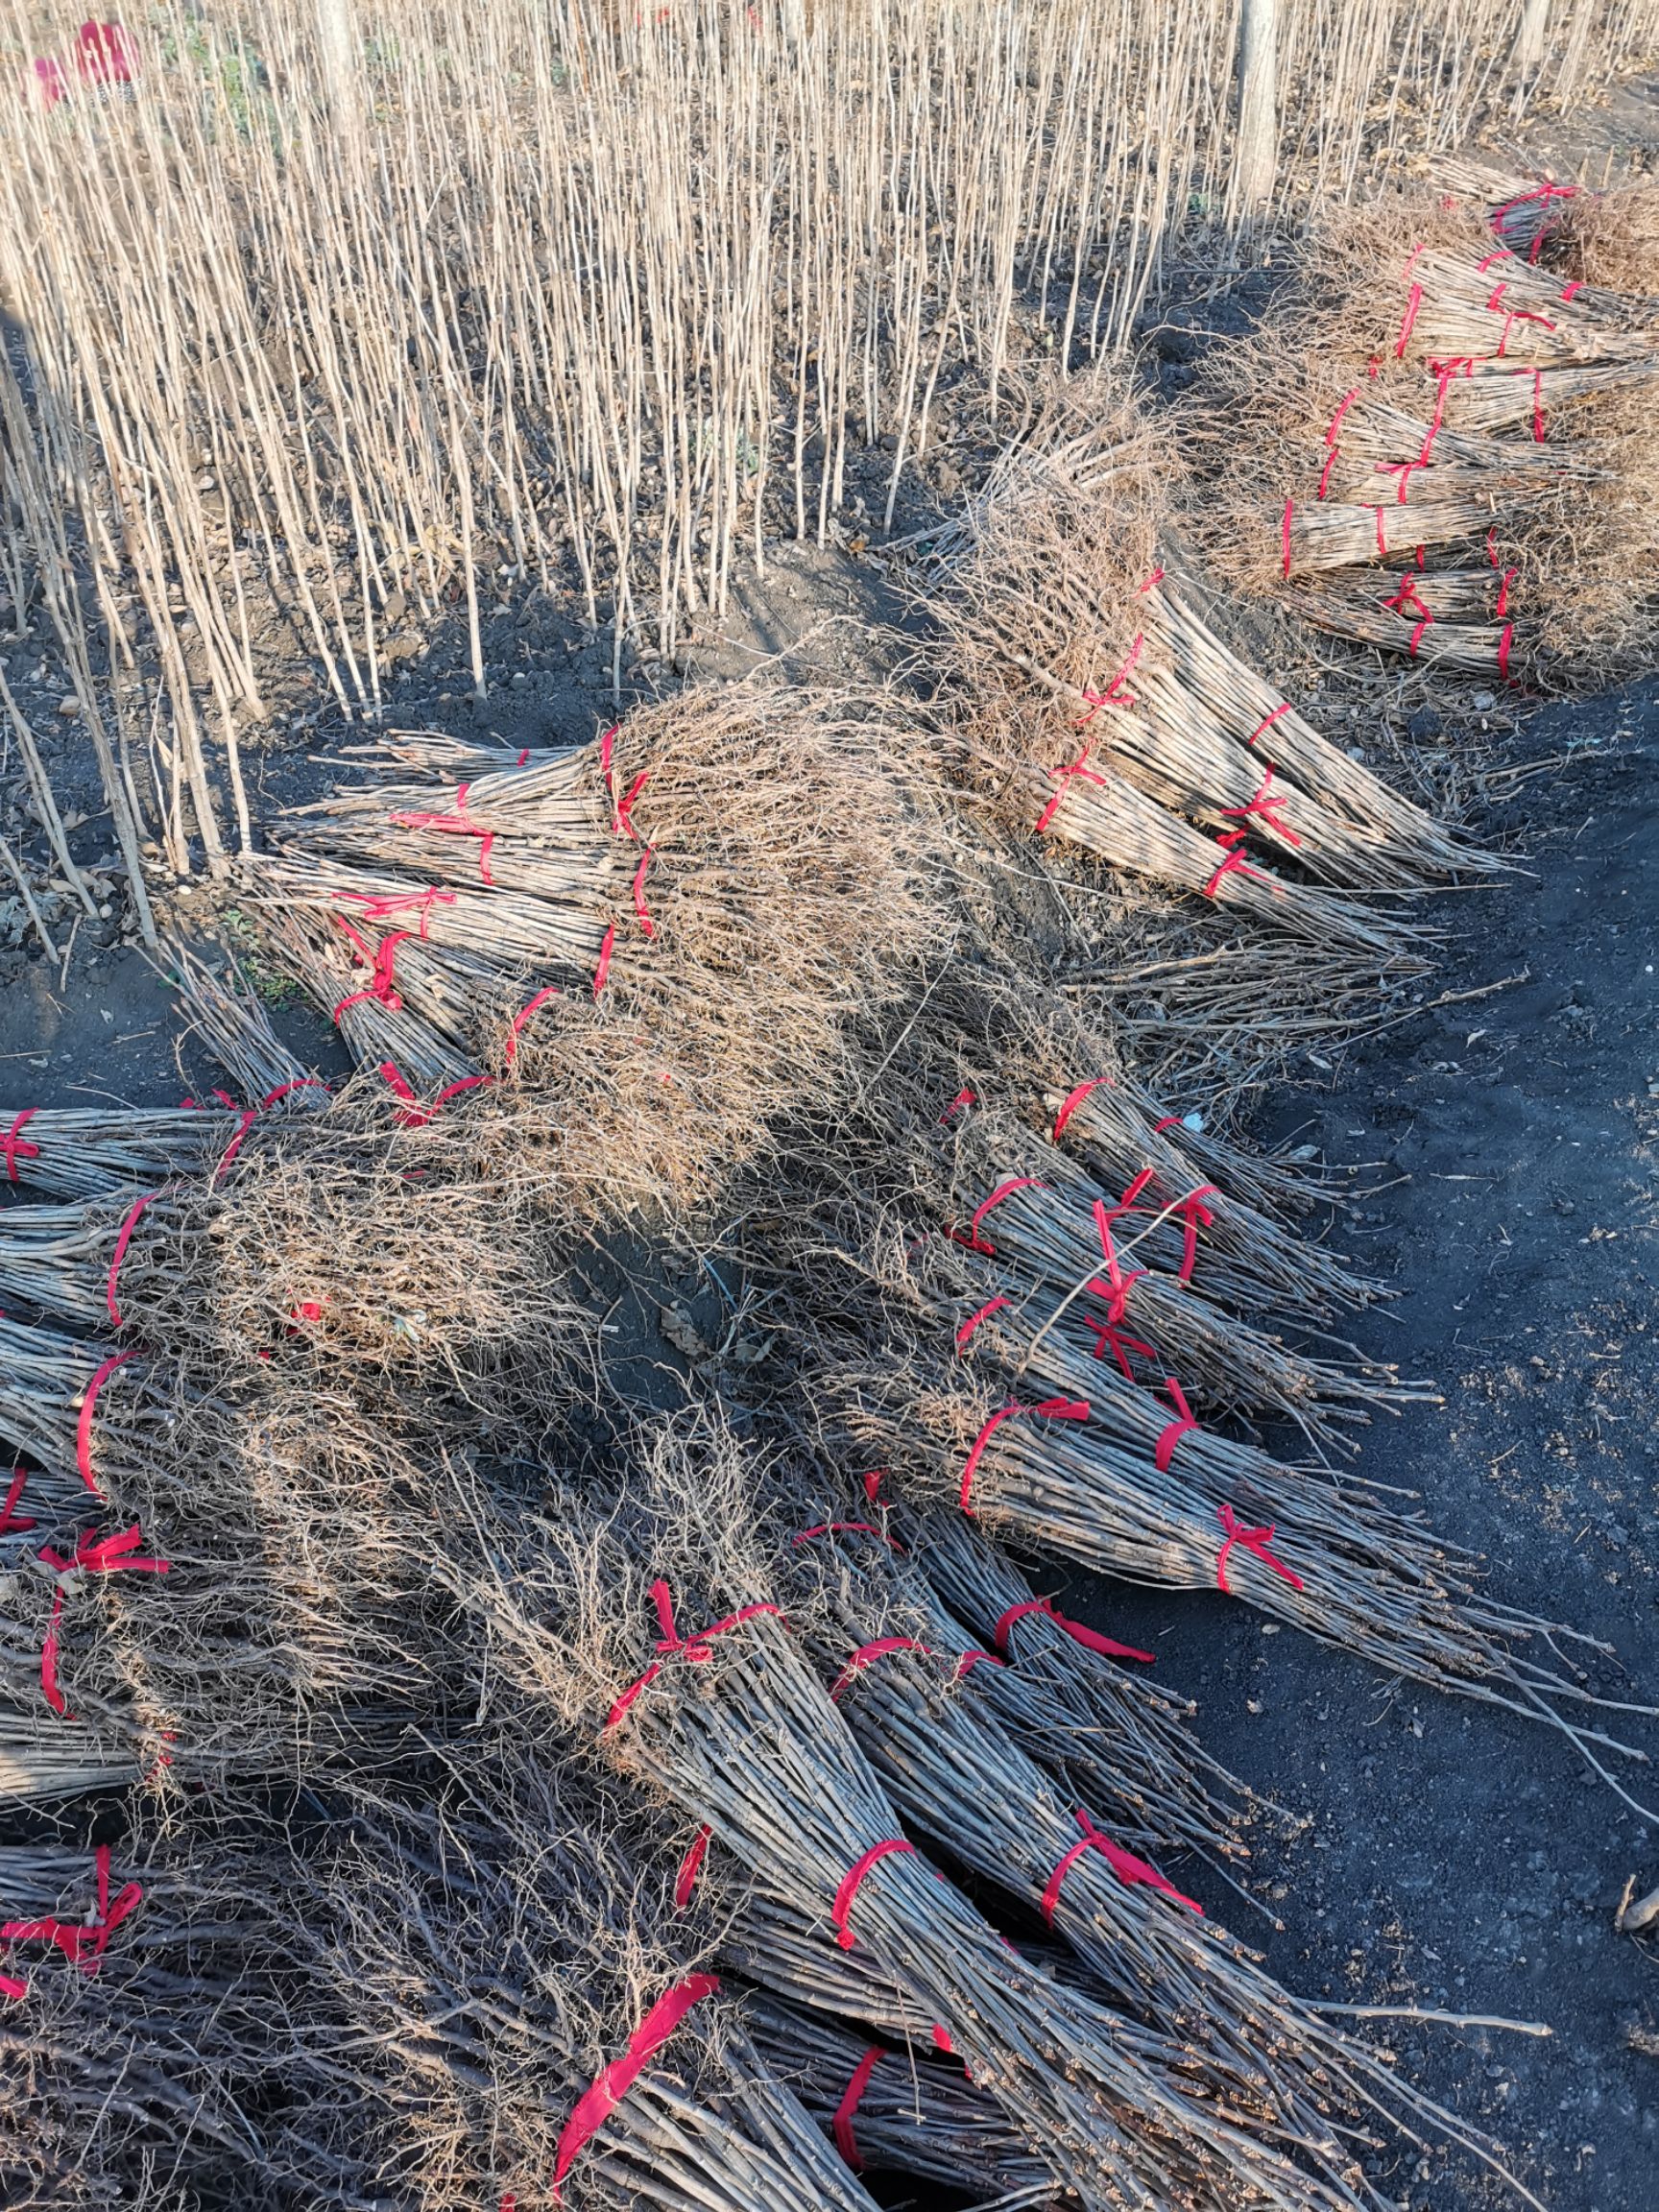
x: 1436, y: 444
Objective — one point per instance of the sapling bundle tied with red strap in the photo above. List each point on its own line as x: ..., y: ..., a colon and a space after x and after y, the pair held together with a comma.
x: 1071, y: 640
x: 1060, y: 1453
x: 756, y: 890
x: 720, y: 1713
x: 494, y: 1961
x: 327, y: 1247
x: 892, y: 2109
x: 80, y: 1151
x: 925, y: 1721
x: 251, y: 1594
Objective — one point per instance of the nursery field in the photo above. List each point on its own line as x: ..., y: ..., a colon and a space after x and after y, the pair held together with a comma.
x: 826, y: 1148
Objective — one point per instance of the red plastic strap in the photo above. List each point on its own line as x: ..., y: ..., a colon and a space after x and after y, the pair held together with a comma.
x: 1267, y: 721
x: 597, y: 2103
x: 122, y: 1240
x: 1194, y: 1215
x: 973, y: 1242
x: 1255, y: 1540
x: 92, y: 1555
x: 647, y: 856
x: 83, y: 1945
x: 1115, y: 695
x: 990, y: 1307
x: 1568, y: 290
x: 961, y: 1099
x: 602, y: 974
x: 1074, y: 1100
x: 1050, y: 1410
x: 1129, y: 1870
x: 1325, y: 474
x: 1343, y: 404
x: 11, y: 1521
x: 1089, y: 1639
x: 516, y: 1027
x: 841, y: 2126
x: 523, y: 759
x: 882, y: 1648
x: 971, y: 1659
x: 1413, y: 301
x: 1503, y: 650
x: 1408, y: 598
x: 1538, y: 406
x: 1504, y: 581
x: 1382, y: 535
x: 1110, y: 1335
x: 283, y: 1089
x: 1105, y: 1216
x: 83, y: 1426
x: 693, y: 1648
x: 412, y: 1114
x: 851, y: 1880
x: 1546, y: 192
x: 1284, y: 535
x: 1110, y: 1330
x: 456, y: 825
x: 1064, y: 775
x: 1156, y: 577
x: 1512, y: 318
x: 1169, y: 1121
x: 15, y: 1147
x: 1234, y: 862
x: 1267, y: 804
x: 1164, y: 1450
x: 245, y: 1117
x: 1402, y: 470
x: 11, y: 1987
x: 690, y: 1866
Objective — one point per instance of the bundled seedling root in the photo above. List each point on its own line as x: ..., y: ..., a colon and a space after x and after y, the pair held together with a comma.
x: 748, y: 1741
x: 891, y: 2108
x: 1059, y: 598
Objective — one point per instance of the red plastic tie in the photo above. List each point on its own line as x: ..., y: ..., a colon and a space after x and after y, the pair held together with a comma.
x: 1267, y: 721
x: 1401, y: 469
x: 990, y: 1307
x: 847, y: 1529
x: 122, y: 1240
x: 1503, y: 650
x: 647, y: 856
x: 597, y: 2103
x: 690, y: 1866
x: 1129, y: 1870
x: 1413, y: 301
x: 1074, y: 1100
x: 1267, y: 804
x: 1381, y: 534
x: 1568, y: 290
x: 1255, y: 1540
x: 11, y: 1521
x: 883, y: 1647
x: 694, y: 1647
x: 1538, y: 406
x: 1164, y: 1450
x: 516, y: 1027
x: 840, y: 1912
x: 1408, y: 599
x: 1233, y: 863
x: 841, y: 2126
x: 1079, y: 769
x: 92, y: 1554
x: 1284, y: 535
x: 1114, y: 693
x: 1050, y: 1410
x: 84, y: 1425
x: 602, y: 974
x: 1194, y: 1215
x: 1090, y: 1638
x: 15, y: 1145
x: 1505, y: 580
x: 457, y: 825
x: 961, y: 1099
x: 1105, y: 1216
x: 523, y: 759
x: 973, y: 1242
x: 1156, y: 577
x: 83, y: 1945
